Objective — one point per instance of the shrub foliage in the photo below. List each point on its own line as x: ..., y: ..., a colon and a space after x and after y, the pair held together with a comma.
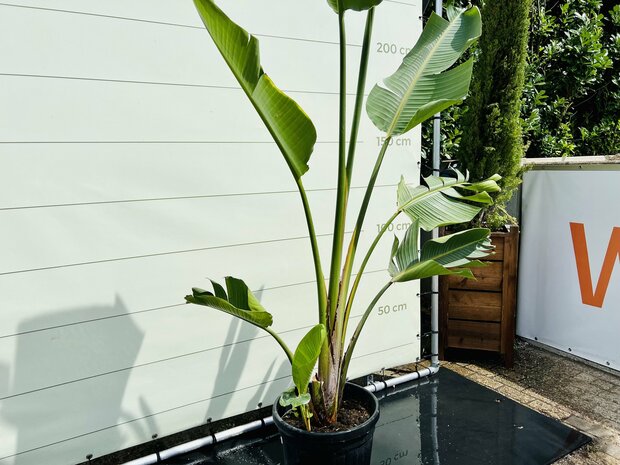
x: 572, y: 94
x: 492, y: 141
x: 571, y: 98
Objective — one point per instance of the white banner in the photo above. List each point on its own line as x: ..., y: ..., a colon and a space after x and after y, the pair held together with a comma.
x: 132, y: 167
x: 569, y: 270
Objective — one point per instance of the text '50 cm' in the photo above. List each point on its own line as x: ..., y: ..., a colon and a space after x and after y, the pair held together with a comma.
x: 387, y: 309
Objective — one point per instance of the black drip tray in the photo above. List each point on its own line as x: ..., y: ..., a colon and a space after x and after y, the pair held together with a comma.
x: 443, y: 420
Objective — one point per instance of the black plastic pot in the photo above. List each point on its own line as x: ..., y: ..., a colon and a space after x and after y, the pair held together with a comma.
x: 352, y: 447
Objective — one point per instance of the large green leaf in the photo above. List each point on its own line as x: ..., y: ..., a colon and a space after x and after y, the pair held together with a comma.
x: 356, y: 5
x: 449, y: 255
x: 288, y: 124
x: 429, y: 269
x: 306, y: 356
x: 239, y: 302
x: 440, y: 202
x: 421, y: 86
x: 405, y: 253
x: 458, y: 249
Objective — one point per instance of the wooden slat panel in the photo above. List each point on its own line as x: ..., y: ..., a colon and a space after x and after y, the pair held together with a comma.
x: 509, y: 293
x: 473, y: 335
x: 488, y: 278
x: 479, y: 313
x: 474, y: 299
x: 475, y: 305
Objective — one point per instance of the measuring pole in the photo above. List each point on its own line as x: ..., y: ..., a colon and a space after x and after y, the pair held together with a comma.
x: 435, y: 279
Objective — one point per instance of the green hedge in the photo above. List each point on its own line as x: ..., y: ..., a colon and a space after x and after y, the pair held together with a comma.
x: 492, y: 142
x: 571, y: 98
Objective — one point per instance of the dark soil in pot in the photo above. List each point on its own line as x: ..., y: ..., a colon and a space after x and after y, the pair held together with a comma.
x: 342, y: 444
x: 352, y: 413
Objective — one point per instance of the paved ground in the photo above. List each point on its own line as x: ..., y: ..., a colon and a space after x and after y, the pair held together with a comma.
x: 584, y: 397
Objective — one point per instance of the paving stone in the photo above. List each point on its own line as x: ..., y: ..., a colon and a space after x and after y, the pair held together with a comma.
x: 601, y: 458
x: 478, y: 377
x: 477, y: 369
x: 535, y: 395
x: 604, y: 415
x: 612, y: 450
x: 588, y: 426
x: 604, y: 385
x: 587, y: 458
x: 488, y: 381
x: 461, y: 370
x: 511, y: 384
x: 584, y: 377
x: 520, y: 396
x: 552, y: 410
x: 613, y: 379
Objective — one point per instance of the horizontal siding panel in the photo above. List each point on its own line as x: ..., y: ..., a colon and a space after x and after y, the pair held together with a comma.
x: 133, y: 169
x: 99, y: 348
x: 141, y: 172
x: 144, y: 390
x: 117, y: 231
x: 276, y: 24
x: 183, y: 14
x: 147, y: 390
x: 79, y: 111
x: 46, y: 112
x: 164, y: 280
x: 93, y: 290
x: 131, y: 431
x: 85, y: 234
x: 152, y: 56
x: 64, y: 175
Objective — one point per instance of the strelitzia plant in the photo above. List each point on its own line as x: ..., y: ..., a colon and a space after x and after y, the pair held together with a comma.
x: 426, y: 83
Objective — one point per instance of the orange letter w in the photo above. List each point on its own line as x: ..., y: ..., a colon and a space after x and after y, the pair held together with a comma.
x: 588, y: 296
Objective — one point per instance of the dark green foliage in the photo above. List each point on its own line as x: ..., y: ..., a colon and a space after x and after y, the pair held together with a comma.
x: 572, y: 95
x: 491, y: 140
x: 571, y: 98
x: 451, y: 133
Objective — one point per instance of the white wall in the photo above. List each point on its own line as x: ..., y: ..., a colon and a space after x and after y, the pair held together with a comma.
x: 131, y: 169
x: 552, y: 308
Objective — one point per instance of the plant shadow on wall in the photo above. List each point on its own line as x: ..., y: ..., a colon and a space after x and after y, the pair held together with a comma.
x: 425, y: 83
x: 69, y: 379
x: 231, y: 366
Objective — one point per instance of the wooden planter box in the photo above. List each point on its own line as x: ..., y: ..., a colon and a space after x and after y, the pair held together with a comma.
x: 481, y: 314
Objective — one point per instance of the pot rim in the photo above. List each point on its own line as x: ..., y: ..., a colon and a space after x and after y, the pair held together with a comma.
x: 283, y: 425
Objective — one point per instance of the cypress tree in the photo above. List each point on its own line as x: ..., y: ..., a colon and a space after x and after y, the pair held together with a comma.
x: 492, y: 141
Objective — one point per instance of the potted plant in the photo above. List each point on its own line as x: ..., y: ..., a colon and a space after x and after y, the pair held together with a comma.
x: 423, y: 85
x: 480, y: 314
